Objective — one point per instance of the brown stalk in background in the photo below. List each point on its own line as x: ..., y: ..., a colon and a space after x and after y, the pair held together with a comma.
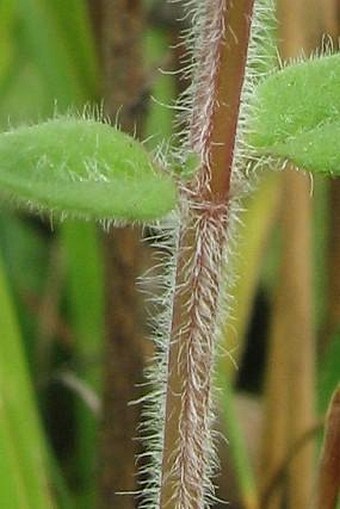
x: 289, y: 394
x: 331, y: 26
x: 119, y: 24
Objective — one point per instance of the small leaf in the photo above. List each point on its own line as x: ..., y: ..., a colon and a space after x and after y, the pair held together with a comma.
x: 297, y: 115
x: 83, y: 168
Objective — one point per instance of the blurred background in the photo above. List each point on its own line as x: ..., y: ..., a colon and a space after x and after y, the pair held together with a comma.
x: 73, y: 328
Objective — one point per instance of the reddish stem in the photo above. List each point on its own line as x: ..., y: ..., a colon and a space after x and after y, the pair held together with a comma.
x: 221, y: 70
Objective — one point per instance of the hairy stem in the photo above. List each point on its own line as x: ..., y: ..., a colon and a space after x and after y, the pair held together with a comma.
x: 220, y: 73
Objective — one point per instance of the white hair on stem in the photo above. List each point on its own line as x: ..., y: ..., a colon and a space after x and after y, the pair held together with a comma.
x: 211, y: 228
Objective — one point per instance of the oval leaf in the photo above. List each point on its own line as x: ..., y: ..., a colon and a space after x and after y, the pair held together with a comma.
x: 297, y: 115
x: 83, y: 168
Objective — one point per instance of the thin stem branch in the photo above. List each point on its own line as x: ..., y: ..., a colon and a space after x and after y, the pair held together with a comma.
x: 329, y: 474
x: 221, y: 67
x: 281, y: 473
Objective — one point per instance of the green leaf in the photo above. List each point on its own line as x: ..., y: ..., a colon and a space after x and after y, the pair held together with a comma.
x: 83, y: 168
x: 297, y: 115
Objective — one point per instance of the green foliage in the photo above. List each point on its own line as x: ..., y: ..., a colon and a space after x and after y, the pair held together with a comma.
x: 44, y: 31
x: 23, y: 460
x: 83, y: 168
x: 297, y: 115
x: 46, y: 54
x: 329, y: 373
x: 85, y: 298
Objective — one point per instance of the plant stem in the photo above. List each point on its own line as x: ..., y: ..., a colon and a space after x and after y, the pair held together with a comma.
x: 220, y: 74
x: 280, y: 475
x: 332, y: 319
x: 329, y: 475
x: 290, y: 375
x: 121, y: 29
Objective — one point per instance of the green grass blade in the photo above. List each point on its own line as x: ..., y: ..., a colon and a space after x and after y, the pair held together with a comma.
x: 63, y: 496
x: 237, y: 447
x: 160, y: 117
x: 86, y: 303
x: 73, y: 27
x: 6, y: 46
x: 43, y: 41
x: 13, y: 493
x: 21, y: 414
x: 47, y: 58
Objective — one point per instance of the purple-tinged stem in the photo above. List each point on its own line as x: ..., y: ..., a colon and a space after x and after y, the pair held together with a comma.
x: 221, y: 63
